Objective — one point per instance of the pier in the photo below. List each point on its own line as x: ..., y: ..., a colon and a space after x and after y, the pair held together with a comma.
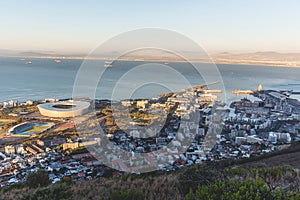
x: 242, y: 91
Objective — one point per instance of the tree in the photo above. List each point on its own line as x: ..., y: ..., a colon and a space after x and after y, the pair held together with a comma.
x: 38, y: 179
x: 130, y: 194
x: 233, y: 189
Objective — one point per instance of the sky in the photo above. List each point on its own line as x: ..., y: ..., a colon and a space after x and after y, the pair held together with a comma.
x: 79, y: 26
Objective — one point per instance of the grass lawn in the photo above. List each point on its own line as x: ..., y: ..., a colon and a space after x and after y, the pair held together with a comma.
x: 5, y: 124
x: 6, y: 121
x: 36, y: 129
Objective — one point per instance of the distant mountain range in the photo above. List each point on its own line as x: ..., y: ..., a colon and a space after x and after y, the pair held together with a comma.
x: 260, y: 58
x: 37, y: 54
x: 255, y: 58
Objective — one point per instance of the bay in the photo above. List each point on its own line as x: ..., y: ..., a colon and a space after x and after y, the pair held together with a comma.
x: 44, y: 78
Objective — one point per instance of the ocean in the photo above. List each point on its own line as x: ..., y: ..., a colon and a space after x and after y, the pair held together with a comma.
x: 45, y: 78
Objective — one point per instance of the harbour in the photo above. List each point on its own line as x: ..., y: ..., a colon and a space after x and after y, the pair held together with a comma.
x: 47, y: 79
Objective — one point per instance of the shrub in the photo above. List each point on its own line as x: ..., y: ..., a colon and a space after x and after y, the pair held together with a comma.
x: 38, y: 179
x: 129, y: 194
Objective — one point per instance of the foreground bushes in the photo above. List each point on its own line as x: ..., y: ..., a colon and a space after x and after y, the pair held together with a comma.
x: 192, y: 183
x: 38, y: 179
x: 234, y: 190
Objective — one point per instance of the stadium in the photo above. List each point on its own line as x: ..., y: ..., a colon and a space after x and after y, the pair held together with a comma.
x: 26, y: 129
x: 64, y: 109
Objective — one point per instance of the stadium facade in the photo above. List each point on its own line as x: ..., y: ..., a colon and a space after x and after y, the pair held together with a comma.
x: 64, y: 109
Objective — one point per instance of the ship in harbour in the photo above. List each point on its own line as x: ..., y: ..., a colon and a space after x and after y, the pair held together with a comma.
x: 57, y: 60
x: 108, y: 64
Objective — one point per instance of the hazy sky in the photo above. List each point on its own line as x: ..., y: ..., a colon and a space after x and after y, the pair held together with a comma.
x: 217, y: 25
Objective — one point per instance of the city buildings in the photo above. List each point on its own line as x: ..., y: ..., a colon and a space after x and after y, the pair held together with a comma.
x: 251, y: 129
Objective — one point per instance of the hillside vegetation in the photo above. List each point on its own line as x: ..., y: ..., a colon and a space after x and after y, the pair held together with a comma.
x: 264, y: 177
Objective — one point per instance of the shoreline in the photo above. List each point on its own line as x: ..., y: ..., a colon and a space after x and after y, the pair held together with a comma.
x: 216, y: 62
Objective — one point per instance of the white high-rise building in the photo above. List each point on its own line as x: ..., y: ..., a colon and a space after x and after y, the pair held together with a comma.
x: 272, y: 137
x: 9, y: 149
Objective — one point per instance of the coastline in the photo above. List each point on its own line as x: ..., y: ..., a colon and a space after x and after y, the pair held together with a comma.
x: 213, y: 61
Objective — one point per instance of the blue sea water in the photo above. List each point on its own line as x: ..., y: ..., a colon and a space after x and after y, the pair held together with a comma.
x: 45, y: 78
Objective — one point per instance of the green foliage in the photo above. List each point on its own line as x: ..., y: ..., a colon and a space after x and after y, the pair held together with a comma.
x: 249, y: 183
x: 67, y: 181
x: 78, y: 150
x: 108, y: 173
x: 58, y: 191
x: 13, y: 187
x: 228, y: 190
x: 192, y: 183
x: 197, y: 174
x: 38, y: 179
x: 123, y: 195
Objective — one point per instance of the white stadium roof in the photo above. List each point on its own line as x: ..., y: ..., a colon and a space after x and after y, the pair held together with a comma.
x: 64, y: 109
